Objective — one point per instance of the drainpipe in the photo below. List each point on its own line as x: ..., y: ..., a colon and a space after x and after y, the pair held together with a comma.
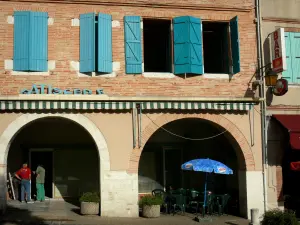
x: 262, y: 104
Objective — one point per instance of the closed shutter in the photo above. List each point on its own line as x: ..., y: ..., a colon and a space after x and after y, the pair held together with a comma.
x: 288, y: 74
x: 295, y: 49
x: 235, y: 45
x: 87, y: 43
x: 38, y: 41
x: 133, y: 45
x: 104, y: 43
x: 21, y: 41
x: 188, y: 57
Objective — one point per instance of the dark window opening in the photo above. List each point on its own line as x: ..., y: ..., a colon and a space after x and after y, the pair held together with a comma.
x: 216, y: 47
x: 157, y: 45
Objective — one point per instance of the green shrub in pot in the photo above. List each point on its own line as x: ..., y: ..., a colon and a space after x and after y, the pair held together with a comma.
x: 89, y: 203
x: 279, y: 217
x: 151, y: 200
x: 151, y: 205
x: 90, y: 197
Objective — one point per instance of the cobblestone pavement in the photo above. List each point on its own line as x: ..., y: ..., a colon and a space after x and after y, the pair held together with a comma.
x: 61, y: 213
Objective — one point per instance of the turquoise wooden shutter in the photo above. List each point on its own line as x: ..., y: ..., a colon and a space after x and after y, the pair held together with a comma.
x: 235, y: 45
x: 21, y: 41
x: 87, y: 43
x: 133, y: 45
x: 38, y: 41
x: 288, y: 74
x: 188, y: 57
x: 295, y: 46
x: 104, y: 43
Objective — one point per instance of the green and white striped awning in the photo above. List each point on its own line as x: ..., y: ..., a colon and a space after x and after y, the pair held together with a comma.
x: 108, y: 105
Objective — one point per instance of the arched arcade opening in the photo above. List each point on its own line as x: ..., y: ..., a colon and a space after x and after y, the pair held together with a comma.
x: 185, y: 139
x: 67, y: 151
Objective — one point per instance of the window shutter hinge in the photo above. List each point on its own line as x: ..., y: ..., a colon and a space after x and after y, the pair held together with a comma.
x: 142, y: 25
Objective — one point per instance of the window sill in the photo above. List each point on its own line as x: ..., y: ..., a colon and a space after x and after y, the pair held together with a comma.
x: 95, y: 74
x: 294, y: 85
x: 20, y: 73
x: 171, y: 75
x: 74, y: 66
x: 217, y: 76
x: 9, y: 65
x: 158, y: 75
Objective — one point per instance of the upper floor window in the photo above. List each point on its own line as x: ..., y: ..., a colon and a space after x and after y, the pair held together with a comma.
x: 193, y: 47
x: 95, y: 43
x: 30, y: 41
x: 292, y: 44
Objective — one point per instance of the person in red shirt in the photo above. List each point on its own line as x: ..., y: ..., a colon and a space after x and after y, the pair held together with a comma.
x: 24, y: 174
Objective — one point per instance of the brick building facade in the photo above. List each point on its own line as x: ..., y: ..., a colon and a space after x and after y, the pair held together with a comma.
x: 143, y: 66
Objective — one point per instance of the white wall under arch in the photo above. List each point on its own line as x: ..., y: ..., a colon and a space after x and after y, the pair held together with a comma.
x: 14, y: 127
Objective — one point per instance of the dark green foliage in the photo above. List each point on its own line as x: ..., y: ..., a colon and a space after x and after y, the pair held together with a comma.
x: 151, y: 200
x: 90, y: 197
x: 278, y: 217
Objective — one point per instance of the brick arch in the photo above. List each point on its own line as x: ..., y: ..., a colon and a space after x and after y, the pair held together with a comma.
x: 234, y: 135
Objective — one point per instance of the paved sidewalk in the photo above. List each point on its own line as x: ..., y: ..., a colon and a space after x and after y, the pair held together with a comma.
x: 59, y: 213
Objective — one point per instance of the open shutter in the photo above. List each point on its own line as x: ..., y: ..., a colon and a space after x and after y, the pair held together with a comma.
x: 21, y: 41
x: 104, y: 43
x: 187, y: 45
x: 133, y: 45
x: 288, y: 74
x: 295, y: 46
x: 38, y: 41
x: 87, y: 43
x: 235, y: 45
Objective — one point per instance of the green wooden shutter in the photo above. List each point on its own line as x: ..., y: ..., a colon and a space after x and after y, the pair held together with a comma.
x: 21, y: 41
x: 87, y: 43
x: 235, y: 45
x: 38, y: 41
x: 104, y: 43
x: 295, y: 47
x: 188, y: 57
x: 133, y: 45
x: 288, y: 74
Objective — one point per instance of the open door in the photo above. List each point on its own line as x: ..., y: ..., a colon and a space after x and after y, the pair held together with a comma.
x: 45, y: 158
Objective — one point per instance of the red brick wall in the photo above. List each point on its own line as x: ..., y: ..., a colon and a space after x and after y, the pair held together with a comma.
x: 64, y: 47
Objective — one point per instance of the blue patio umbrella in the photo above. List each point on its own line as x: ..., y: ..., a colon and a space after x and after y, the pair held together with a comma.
x: 207, y: 166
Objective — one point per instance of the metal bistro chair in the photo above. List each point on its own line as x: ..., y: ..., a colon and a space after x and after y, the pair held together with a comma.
x: 179, y: 203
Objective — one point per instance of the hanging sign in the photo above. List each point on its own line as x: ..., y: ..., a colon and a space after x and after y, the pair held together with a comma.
x: 281, y: 87
x: 278, y: 50
x: 49, y: 89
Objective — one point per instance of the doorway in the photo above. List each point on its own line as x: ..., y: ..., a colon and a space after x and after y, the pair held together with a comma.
x: 172, y: 167
x: 44, y: 157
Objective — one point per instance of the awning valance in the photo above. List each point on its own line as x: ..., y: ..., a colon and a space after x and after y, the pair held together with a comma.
x: 121, y: 105
x: 292, y: 124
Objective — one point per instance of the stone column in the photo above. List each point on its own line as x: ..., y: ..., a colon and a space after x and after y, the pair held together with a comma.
x: 3, y: 188
x: 251, y: 192
x: 119, y: 194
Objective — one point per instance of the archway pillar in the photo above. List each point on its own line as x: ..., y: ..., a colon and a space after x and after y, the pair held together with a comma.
x: 250, y: 192
x: 119, y: 197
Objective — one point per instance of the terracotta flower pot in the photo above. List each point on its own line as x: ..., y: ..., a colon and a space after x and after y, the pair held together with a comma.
x: 151, y: 211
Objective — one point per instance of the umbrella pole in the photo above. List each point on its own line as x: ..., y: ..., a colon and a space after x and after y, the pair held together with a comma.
x: 205, y: 187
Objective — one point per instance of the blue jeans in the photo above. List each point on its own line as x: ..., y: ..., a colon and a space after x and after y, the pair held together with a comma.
x: 25, y: 188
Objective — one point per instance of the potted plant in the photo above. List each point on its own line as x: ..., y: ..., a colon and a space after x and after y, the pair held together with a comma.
x: 151, y: 205
x: 279, y: 217
x: 89, y: 203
